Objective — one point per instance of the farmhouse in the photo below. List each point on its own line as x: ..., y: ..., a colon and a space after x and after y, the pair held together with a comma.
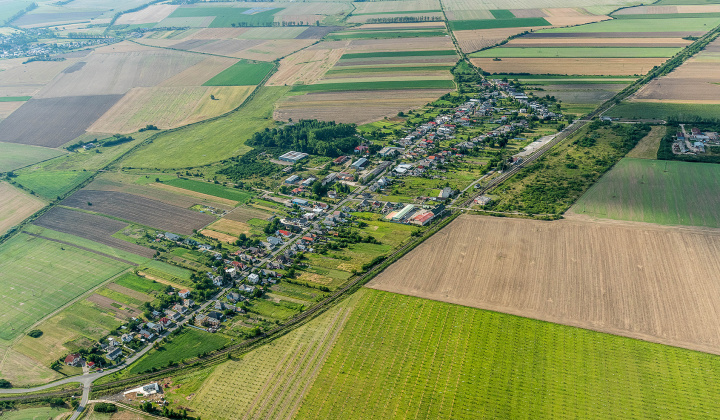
x: 74, y: 359
x: 184, y: 293
x: 293, y: 157
x: 114, y: 353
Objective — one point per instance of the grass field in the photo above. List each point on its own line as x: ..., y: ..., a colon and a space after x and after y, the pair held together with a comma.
x: 40, y: 276
x: 466, y: 25
x: 381, y: 85
x: 643, y: 25
x: 242, y: 73
x: 385, y: 54
x: 167, y: 269
x: 210, y: 141
x: 211, y: 189
x: 581, y: 52
x: 664, y: 192
x: 50, y: 185
x: 14, y: 98
x: 36, y: 413
x: 663, y: 110
x: 407, y: 357
x: 188, y: 344
x: 14, y: 156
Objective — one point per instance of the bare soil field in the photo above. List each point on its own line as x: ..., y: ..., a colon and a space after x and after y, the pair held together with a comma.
x: 354, y: 107
x: 570, y: 66
x: 173, y: 196
x: 306, y: 67
x: 118, y: 72
x: 90, y: 226
x: 317, y: 32
x: 531, y: 42
x: 648, y: 147
x: 288, y: 32
x: 376, y: 62
x: 475, y: 40
x: 695, y: 81
x: 15, y: 206
x: 112, y: 305
x: 643, y: 281
x: 150, y: 14
x: 219, y: 236
x: 63, y: 119
x: 200, y: 72
x: 140, y: 210
x: 231, y: 227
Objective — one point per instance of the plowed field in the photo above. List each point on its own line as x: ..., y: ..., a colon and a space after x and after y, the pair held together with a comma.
x: 649, y: 282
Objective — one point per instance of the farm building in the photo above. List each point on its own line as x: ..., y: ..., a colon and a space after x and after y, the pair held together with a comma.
x: 422, y: 218
x: 293, y: 179
x: 145, y: 390
x: 402, y: 213
x: 308, y: 182
x: 340, y: 160
x: 360, y: 163
x: 293, y: 157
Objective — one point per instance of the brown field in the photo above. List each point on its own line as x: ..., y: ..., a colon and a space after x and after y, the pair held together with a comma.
x: 7, y: 108
x: 226, y: 99
x: 231, y: 227
x: 354, y: 107
x: 306, y: 67
x: 219, y: 236
x: 90, y: 226
x: 111, y: 305
x: 63, y: 119
x: 388, y: 76
x: 392, y: 61
x: 655, y: 283
x: 167, y: 194
x: 530, y: 42
x: 150, y: 14
x: 695, y: 81
x: 22, y: 370
x: 226, y: 47
x: 15, y: 206
x: 200, y: 72
x: 288, y: 32
x: 118, y: 72
x: 570, y: 66
x: 130, y: 292
x: 475, y: 40
x: 243, y: 214
x: 140, y: 210
x: 647, y: 148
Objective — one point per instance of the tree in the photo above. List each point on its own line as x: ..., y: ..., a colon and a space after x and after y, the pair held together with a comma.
x: 5, y: 383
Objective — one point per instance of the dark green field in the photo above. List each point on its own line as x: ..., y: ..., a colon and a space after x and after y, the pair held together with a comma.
x: 464, y: 25
x: 392, y: 85
x: 210, y: 189
x: 14, y: 98
x: 242, y: 73
x: 652, y: 110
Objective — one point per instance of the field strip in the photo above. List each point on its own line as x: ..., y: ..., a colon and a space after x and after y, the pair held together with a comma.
x: 83, y: 248
x: 183, y: 191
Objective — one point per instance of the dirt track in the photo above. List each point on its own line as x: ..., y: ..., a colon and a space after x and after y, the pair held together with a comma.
x: 655, y: 283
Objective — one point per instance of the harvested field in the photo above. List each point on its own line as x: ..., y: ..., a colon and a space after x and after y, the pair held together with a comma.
x: 648, y: 147
x: 606, y: 35
x: 226, y: 99
x: 218, y: 33
x: 578, y: 93
x: 64, y: 119
x: 574, y: 20
x: 45, y: 19
x: 227, y: 47
x: 219, y: 236
x: 273, y: 49
x: 406, y: 44
x: 19, y: 79
x: 570, y: 66
x: 7, y: 108
x: 305, y: 67
x: 678, y: 25
x: 117, y: 72
x: 475, y: 40
x: 232, y: 227
x: 243, y: 215
x: 355, y: 107
x: 150, y: 14
x: 402, y: 26
x: 667, y: 10
x: 384, y: 7
x: 652, y: 283
x: 15, y: 206
x: 90, y: 226
x: 533, y: 42
x: 140, y: 210
x: 445, y: 59
x: 200, y: 73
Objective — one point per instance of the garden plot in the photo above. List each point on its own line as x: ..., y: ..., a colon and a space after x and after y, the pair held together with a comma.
x: 653, y: 283
x: 140, y: 210
x: 90, y: 226
x: 15, y: 206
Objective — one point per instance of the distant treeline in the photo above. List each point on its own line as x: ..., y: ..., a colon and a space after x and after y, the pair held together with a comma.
x: 405, y: 19
x: 109, y: 142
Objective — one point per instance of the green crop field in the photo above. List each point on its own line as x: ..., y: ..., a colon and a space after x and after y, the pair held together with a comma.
x: 14, y: 156
x: 581, y: 52
x: 464, y: 25
x: 342, y: 36
x: 168, y: 269
x: 401, y: 356
x: 210, y: 141
x: 242, y: 73
x: 14, y: 98
x: 665, y: 192
x: 140, y: 284
x: 643, y: 25
x: 502, y: 14
x: 385, y: 54
x: 211, y: 189
x: 407, y: 69
x: 225, y: 17
x: 51, y: 184
x: 656, y: 110
x: 35, y: 413
x: 40, y: 276
x: 188, y: 344
x: 383, y: 85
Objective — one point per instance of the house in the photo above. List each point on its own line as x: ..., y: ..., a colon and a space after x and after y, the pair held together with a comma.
x: 114, y: 353
x: 189, y: 303
x: 147, y: 335
x: 126, y: 338
x: 145, y: 390
x: 361, y: 149
x: 389, y: 151
x: 205, y: 247
x: 247, y: 288
x: 359, y: 164
x: 164, y: 321
x: 184, y: 293
x: 215, y: 314
x: 206, y: 320
x: 308, y: 182
x: 341, y: 160
x: 180, y: 308
x: 332, y: 194
x: 445, y: 193
x: 293, y: 157
x: 270, y: 273
x: 74, y: 359
x: 299, y: 202
x: 342, y: 176
x: 274, y: 241
x: 330, y: 178
x: 171, y: 237
x: 422, y: 218
x: 284, y: 233
x: 253, y: 278
x: 219, y: 305
x: 153, y: 326
x: 293, y: 179
x: 234, y: 297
